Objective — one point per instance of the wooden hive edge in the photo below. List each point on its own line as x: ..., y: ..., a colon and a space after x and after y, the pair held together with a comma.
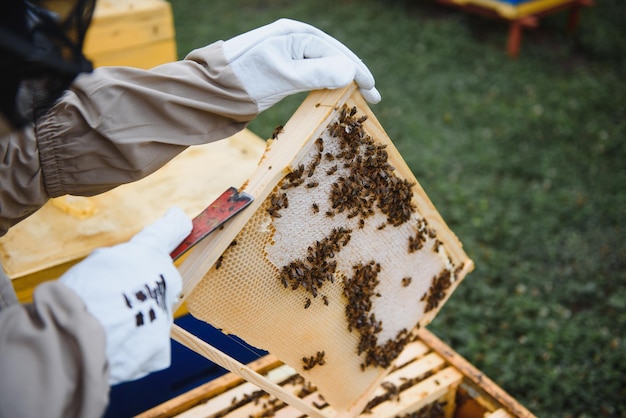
x: 440, y: 382
x: 476, y: 379
x: 430, y: 379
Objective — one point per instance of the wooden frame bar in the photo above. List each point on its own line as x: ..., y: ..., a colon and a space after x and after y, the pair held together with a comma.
x: 428, y: 370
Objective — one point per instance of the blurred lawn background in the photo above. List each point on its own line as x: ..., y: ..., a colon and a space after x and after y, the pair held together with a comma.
x: 525, y: 159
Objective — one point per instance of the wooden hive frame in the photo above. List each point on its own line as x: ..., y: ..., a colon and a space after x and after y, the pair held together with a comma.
x: 429, y: 379
x: 310, y: 120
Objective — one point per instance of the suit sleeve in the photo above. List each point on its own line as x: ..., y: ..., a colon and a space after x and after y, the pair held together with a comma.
x: 53, y: 360
x: 117, y: 125
x: 120, y: 124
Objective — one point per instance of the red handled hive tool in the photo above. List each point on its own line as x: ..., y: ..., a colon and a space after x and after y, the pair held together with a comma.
x: 230, y: 203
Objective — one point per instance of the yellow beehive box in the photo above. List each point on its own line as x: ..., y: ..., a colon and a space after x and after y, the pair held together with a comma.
x: 136, y: 33
x: 429, y: 379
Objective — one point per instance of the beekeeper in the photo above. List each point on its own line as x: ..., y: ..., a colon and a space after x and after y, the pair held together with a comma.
x: 107, y: 320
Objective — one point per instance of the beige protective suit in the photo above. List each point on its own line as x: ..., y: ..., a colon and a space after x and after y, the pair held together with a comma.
x: 114, y: 126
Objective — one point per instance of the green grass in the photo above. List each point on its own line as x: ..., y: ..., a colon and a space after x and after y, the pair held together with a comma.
x: 525, y: 159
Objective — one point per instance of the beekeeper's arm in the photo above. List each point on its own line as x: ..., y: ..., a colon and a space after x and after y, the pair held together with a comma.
x: 105, y: 321
x: 120, y: 124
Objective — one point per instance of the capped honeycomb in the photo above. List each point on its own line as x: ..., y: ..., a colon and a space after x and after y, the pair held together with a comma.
x: 342, y: 261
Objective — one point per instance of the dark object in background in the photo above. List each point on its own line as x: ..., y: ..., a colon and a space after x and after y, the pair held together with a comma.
x: 40, y: 55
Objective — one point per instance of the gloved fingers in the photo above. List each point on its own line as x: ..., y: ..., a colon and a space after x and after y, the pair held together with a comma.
x: 302, y: 41
x: 371, y: 96
x: 321, y: 45
x: 167, y: 232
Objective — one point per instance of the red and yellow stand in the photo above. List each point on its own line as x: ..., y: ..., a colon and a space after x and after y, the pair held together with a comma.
x: 522, y: 14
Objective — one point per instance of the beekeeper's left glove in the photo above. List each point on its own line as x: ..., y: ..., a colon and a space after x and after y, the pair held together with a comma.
x: 130, y: 289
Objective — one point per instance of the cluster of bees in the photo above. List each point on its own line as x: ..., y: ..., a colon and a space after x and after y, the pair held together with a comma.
x: 364, y: 183
x: 440, y: 283
x: 423, y: 233
x: 439, y: 287
x: 359, y: 290
x: 318, y: 267
x: 297, y: 177
x: 371, y: 179
x: 269, y: 404
x: 382, y: 355
x: 392, y: 392
x: 312, y: 361
x: 278, y: 201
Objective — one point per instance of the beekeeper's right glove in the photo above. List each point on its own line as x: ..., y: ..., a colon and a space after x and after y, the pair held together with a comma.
x: 130, y: 289
x: 288, y: 57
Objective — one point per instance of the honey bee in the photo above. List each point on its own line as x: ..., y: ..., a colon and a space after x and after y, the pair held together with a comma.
x: 273, y: 212
x: 277, y: 130
x: 219, y: 261
x: 315, y: 207
x: 356, y: 213
x: 307, y: 303
x: 320, y: 144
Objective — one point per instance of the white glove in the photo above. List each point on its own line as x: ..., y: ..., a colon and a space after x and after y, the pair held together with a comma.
x: 287, y: 57
x: 131, y: 288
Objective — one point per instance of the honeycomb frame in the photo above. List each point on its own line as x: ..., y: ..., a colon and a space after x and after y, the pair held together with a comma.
x: 281, y: 168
